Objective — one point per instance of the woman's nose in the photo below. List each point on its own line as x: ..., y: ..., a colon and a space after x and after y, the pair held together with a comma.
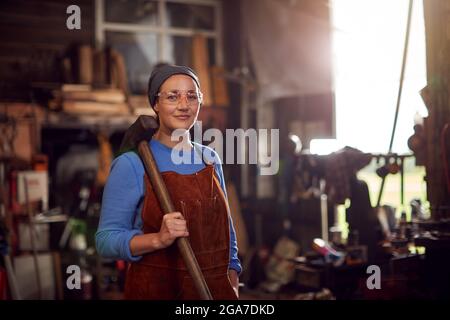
x: 183, y: 103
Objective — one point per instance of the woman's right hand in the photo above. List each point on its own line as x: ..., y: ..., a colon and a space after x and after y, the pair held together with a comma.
x: 173, y: 226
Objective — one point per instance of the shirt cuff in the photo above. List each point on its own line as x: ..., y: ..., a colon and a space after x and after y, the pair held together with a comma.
x: 128, y: 255
x: 236, y: 266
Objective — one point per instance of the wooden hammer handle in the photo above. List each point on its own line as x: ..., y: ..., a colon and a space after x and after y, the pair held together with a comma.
x: 167, y: 206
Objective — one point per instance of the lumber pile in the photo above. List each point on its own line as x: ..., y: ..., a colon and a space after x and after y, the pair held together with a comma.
x: 212, y: 78
x: 95, y: 83
x: 83, y: 99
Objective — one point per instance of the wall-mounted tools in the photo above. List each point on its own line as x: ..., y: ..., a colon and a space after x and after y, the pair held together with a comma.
x: 393, y: 164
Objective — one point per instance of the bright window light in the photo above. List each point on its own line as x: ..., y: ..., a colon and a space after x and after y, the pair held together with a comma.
x: 324, y: 146
x: 368, y: 41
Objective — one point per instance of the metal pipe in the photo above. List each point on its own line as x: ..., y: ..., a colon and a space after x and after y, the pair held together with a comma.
x: 400, y: 90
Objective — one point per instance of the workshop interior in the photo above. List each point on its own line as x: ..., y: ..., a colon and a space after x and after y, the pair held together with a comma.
x: 354, y: 97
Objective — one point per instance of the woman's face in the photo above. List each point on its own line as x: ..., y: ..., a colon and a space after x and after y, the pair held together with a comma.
x: 176, y: 106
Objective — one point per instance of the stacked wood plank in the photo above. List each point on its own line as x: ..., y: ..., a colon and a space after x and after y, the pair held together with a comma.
x: 140, y: 105
x: 212, y: 78
x: 219, y: 87
x: 83, y: 99
x: 101, y: 84
x: 200, y: 62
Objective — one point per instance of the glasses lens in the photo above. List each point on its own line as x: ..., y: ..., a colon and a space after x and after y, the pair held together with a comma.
x: 174, y: 98
x: 192, y: 97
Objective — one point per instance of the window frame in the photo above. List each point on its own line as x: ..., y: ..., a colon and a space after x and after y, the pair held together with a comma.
x: 162, y: 31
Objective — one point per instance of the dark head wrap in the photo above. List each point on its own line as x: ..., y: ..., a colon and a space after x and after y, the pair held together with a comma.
x: 161, y: 73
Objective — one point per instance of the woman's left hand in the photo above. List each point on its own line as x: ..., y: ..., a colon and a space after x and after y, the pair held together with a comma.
x: 234, y: 280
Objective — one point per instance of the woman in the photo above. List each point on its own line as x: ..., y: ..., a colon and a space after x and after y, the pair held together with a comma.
x: 132, y: 226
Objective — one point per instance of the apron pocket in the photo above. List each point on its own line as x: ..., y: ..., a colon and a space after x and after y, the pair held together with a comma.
x: 191, y: 210
x: 216, y: 231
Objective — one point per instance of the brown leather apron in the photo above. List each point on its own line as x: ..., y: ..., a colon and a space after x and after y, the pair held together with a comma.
x: 162, y: 274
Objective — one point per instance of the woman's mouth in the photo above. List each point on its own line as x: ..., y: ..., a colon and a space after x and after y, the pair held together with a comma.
x: 183, y: 117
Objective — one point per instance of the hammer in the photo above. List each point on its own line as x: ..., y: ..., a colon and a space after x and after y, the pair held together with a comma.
x: 138, y: 135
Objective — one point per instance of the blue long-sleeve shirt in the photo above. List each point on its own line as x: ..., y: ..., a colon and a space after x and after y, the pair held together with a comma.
x: 123, y: 195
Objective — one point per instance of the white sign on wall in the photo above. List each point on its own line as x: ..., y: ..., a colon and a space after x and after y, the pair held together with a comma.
x: 37, y: 183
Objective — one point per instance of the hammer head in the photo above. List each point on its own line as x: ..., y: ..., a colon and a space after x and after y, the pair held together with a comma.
x: 142, y: 129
